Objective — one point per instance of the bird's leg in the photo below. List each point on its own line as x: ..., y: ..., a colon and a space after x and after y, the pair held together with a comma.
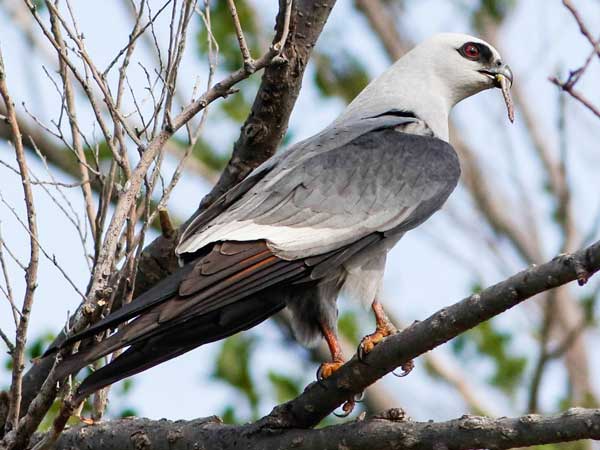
x: 337, y: 359
x: 384, y: 327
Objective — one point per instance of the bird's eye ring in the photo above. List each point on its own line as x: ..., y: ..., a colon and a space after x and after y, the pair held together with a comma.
x: 471, y: 51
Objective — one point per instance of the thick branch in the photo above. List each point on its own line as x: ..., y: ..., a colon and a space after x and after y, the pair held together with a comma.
x: 320, y: 399
x: 387, y: 432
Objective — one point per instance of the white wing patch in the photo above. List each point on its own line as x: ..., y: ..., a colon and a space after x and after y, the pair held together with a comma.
x: 290, y: 242
x: 279, y: 238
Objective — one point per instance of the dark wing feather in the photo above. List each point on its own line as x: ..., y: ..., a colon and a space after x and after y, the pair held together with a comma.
x: 166, y: 345
x: 377, y: 183
x: 322, y: 201
x: 193, y: 277
x: 163, y: 290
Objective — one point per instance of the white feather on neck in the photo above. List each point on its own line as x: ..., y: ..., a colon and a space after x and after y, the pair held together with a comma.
x: 428, y: 81
x: 406, y: 87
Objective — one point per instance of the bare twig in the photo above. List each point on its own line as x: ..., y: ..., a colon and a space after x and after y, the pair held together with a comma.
x: 584, y: 30
x: 138, y: 31
x: 35, y: 239
x: 246, y: 56
x: 76, y: 138
x: 568, y: 87
x: 9, y: 294
x: 7, y: 342
x: 18, y: 356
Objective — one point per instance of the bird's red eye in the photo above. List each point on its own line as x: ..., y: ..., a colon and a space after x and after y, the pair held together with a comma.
x: 471, y: 51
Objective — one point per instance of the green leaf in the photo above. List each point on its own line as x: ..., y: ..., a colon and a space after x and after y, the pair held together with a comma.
x: 486, y: 340
x: 491, y: 10
x: 236, y: 106
x: 228, y: 416
x: 126, y: 385
x: 38, y: 345
x: 205, y: 153
x: 233, y: 366
x: 104, y: 153
x: 223, y: 31
x: 286, y: 388
x: 348, y: 326
x: 339, y: 74
x: 128, y: 412
x: 588, y: 304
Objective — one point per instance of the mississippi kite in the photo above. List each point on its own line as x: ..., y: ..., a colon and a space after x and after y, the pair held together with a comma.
x: 309, y: 223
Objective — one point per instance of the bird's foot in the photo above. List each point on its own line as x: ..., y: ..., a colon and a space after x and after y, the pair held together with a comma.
x: 86, y: 421
x: 347, y: 408
x: 407, y: 368
x: 369, y: 342
x: 327, y: 369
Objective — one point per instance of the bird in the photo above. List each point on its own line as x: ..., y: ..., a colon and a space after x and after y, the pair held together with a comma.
x: 311, y: 223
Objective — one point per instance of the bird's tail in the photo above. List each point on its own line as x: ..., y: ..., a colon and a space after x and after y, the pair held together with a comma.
x: 166, y: 345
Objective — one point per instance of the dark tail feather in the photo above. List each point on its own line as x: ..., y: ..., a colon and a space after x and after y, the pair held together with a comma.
x: 71, y: 364
x: 191, y: 334
x: 164, y: 290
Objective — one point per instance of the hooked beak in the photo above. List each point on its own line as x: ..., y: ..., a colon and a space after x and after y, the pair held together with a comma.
x: 503, y: 79
x: 497, y: 73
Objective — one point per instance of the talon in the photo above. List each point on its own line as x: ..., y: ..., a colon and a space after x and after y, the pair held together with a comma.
x: 407, y: 368
x: 369, y: 342
x: 383, y: 329
x: 358, y: 398
x: 347, y: 409
x: 86, y: 421
x: 327, y: 369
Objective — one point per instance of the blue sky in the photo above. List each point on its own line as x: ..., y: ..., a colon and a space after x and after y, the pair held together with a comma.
x: 539, y: 39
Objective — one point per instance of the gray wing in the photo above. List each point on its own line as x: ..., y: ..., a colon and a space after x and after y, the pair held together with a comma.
x: 314, y: 201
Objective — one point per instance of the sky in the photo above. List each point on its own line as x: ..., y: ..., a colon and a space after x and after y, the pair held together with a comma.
x: 539, y: 39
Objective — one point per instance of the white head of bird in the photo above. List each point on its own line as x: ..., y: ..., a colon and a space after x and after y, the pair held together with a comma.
x: 433, y: 77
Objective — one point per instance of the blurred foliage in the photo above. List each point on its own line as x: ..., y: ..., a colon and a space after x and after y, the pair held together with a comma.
x: 486, y: 340
x: 485, y: 11
x: 223, y: 31
x: 339, y: 74
x: 122, y: 390
x: 34, y: 349
x: 589, y: 303
x: 233, y: 367
x: 348, y: 326
x: 286, y: 388
x: 237, y: 106
x: 205, y: 153
x: 100, y: 149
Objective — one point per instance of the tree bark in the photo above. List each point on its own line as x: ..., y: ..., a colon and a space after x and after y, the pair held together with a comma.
x: 388, y: 431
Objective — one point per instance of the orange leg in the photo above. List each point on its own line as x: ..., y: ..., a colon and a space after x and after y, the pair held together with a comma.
x: 337, y: 359
x: 384, y: 328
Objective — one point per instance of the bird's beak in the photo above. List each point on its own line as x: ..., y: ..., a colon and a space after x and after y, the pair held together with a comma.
x: 503, y: 79
x: 499, y: 73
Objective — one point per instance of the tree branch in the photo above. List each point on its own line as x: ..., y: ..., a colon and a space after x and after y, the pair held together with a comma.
x: 389, y: 431
x: 18, y: 355
x: 320, y: 399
